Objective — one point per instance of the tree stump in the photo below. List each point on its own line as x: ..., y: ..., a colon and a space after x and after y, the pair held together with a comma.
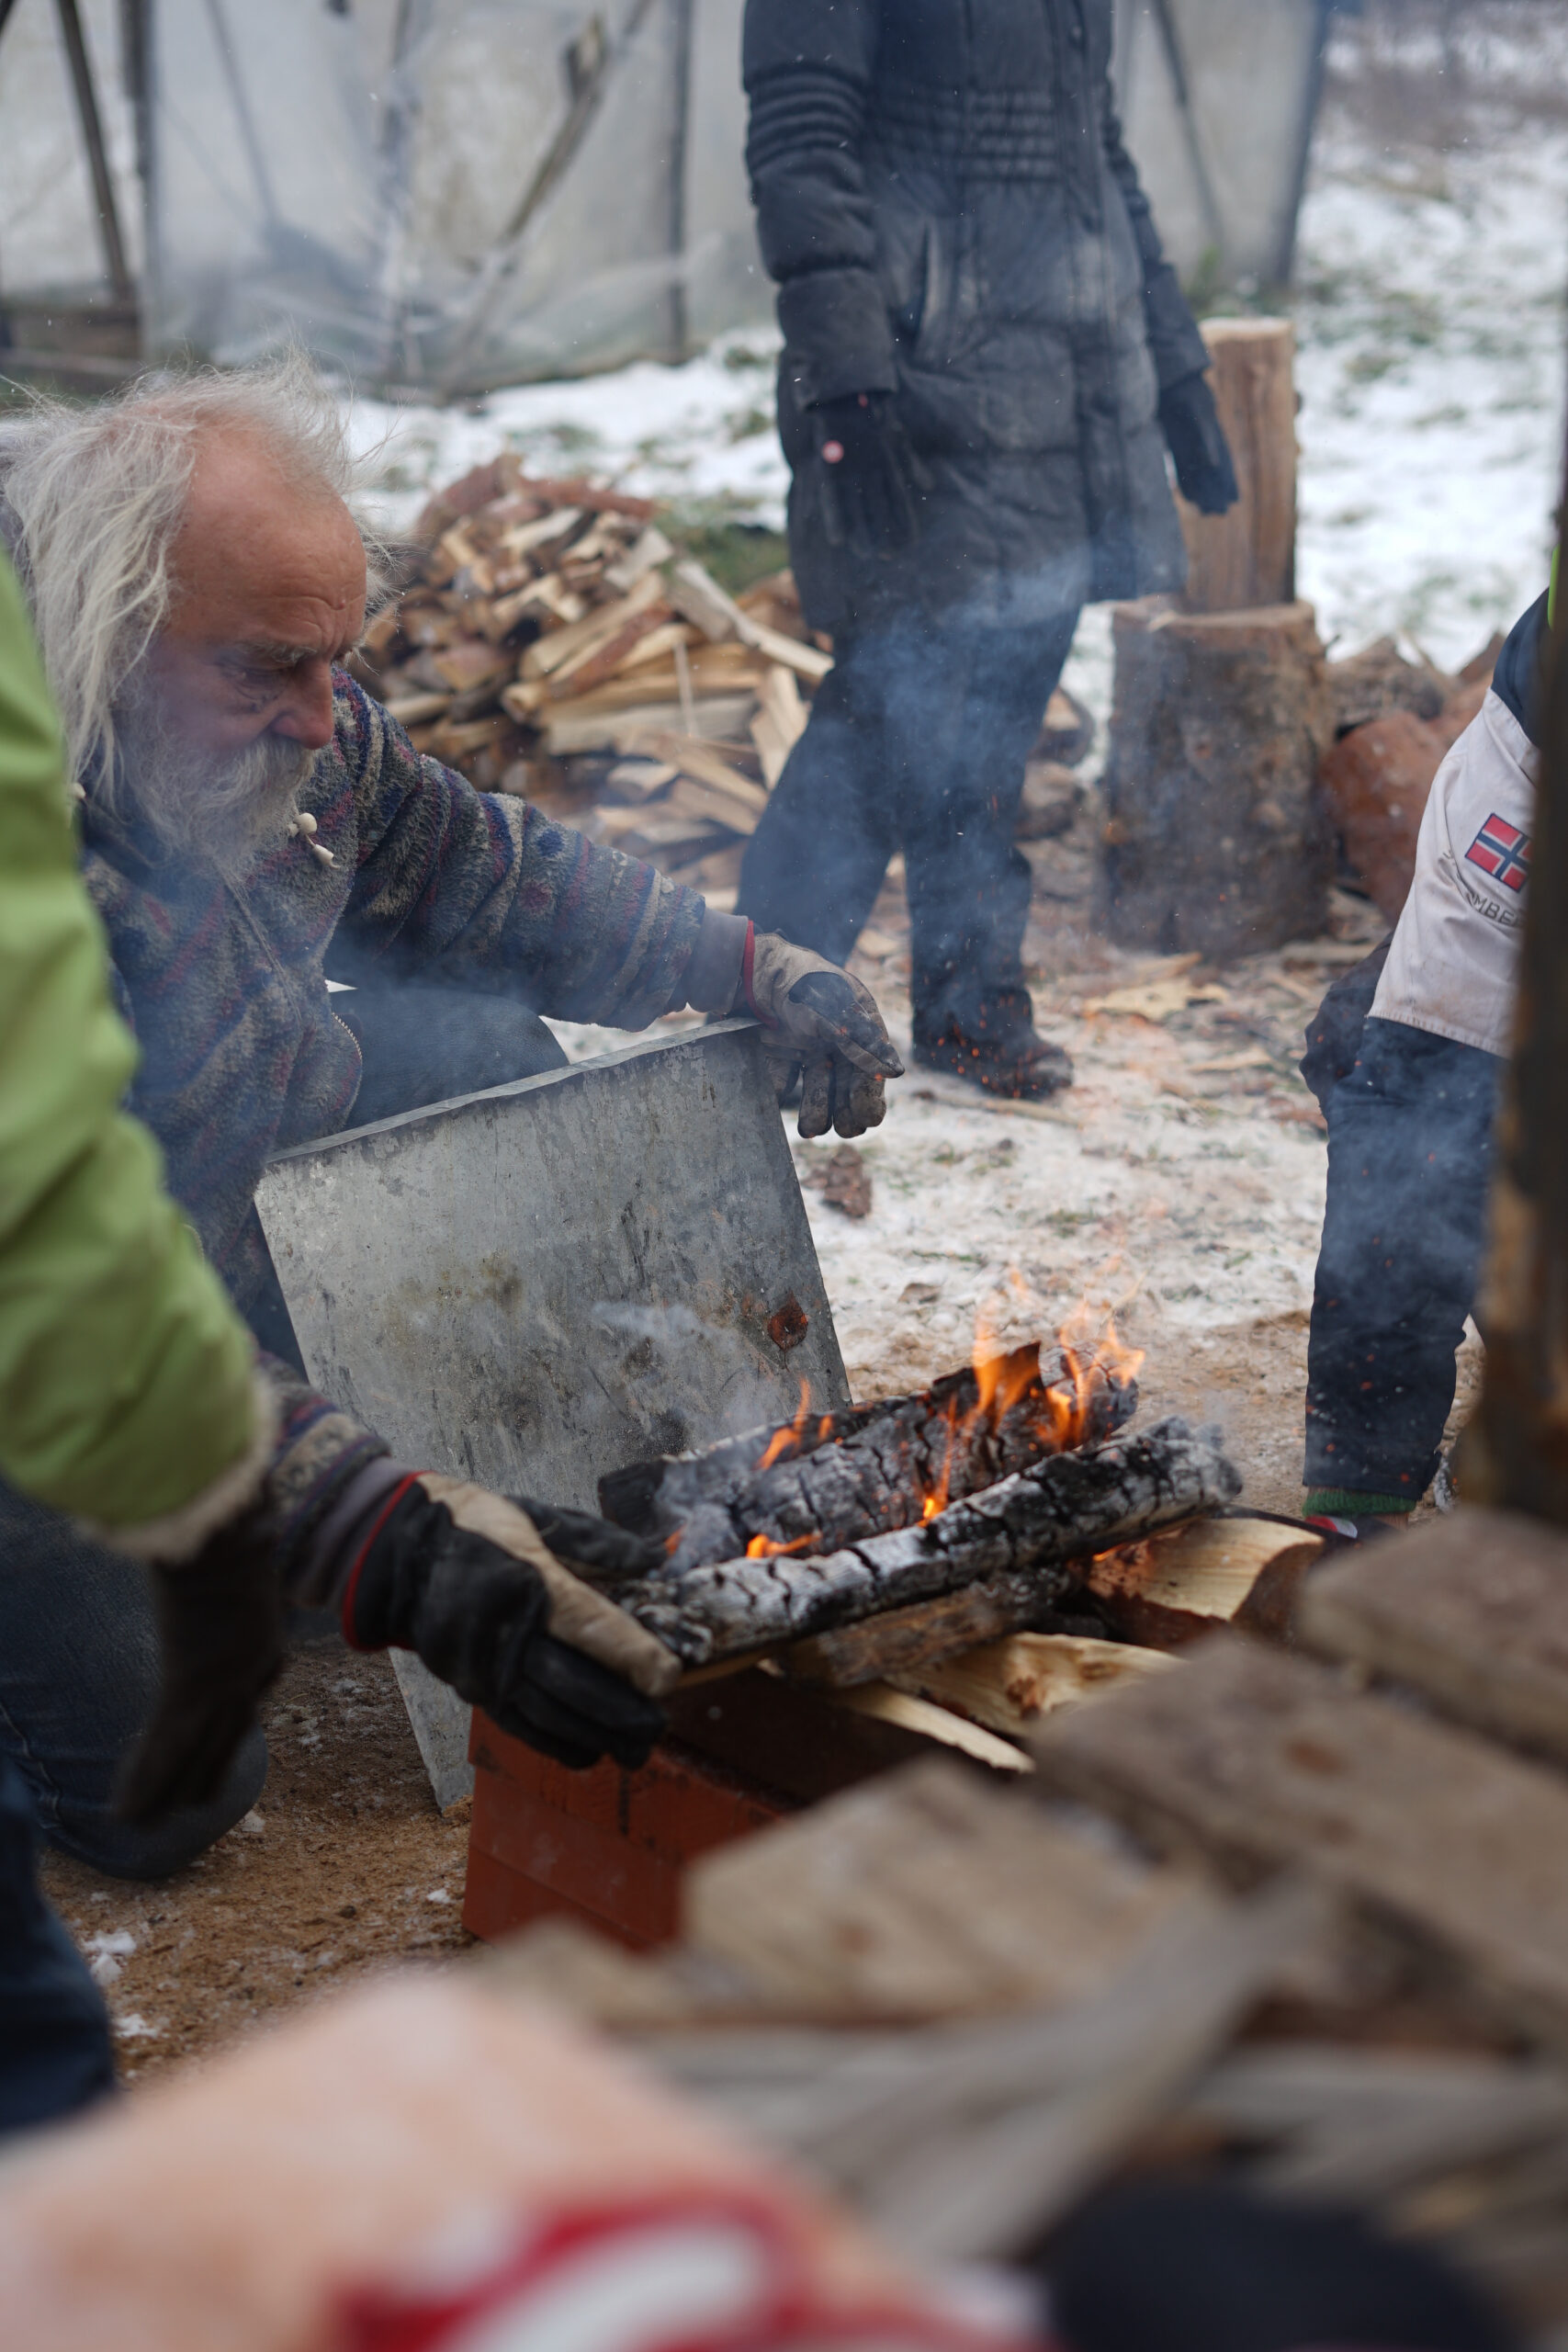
x: 1216, y: 835
x: 1248, y: 557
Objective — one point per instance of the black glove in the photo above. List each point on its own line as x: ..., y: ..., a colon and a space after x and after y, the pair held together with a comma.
x: 220, y: 1635
x: 1192, y: 426
x: 868, y: 472
x: 604, y: 1553
x: 476, y: 1613
x: 824, y: 1022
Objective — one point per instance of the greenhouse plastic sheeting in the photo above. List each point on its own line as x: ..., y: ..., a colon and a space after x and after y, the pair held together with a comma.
x: 521, y: 188
x: 1217, y: 100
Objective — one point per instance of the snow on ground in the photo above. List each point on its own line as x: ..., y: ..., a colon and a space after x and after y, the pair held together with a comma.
x: 1181, y: 1177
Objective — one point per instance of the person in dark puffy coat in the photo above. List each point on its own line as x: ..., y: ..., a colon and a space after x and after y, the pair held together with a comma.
x: 986, y: 357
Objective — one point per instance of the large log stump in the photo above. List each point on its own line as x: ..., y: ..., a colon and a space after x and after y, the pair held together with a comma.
x: 1216, y: 835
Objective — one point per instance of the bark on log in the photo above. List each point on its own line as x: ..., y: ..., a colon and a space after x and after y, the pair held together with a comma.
x: 1217, y: 837
x: 1247, y: 556
x: 849, y: 1475
x: 901, y: 1641
x: 1062, y: 1508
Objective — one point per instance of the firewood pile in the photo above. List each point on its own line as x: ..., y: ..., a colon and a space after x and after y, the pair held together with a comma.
x: 1302, y: 1925
x: 556, y: 645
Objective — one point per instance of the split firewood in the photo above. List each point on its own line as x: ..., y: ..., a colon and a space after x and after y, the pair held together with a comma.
x: 1054, y: 1512
x: 549, y: 656
x: 688, y: 797
x: 1174, y: 1587
x: 1011, y: 1686
x: 612, y: 720
x: 706, y: 764
x: 780, y: 721
x: 817, y: 1482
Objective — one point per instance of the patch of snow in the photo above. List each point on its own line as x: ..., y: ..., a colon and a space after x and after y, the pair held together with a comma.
x: 134, y: 2027
x: 698, y: 435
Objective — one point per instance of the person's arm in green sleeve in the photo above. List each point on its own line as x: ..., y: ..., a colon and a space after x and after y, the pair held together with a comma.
x: 128, y: 1390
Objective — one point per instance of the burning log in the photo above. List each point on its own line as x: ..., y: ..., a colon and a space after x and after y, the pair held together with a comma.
x: 1057, y: 1510
x: 817, y: 1483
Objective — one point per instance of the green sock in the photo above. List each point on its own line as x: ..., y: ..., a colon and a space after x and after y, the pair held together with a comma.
x: 1343, y: 1502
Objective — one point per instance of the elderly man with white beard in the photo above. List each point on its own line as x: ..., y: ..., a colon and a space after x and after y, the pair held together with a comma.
x: 252, y: 823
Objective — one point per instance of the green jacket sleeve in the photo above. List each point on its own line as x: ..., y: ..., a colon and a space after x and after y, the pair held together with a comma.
x: 126, y: 1377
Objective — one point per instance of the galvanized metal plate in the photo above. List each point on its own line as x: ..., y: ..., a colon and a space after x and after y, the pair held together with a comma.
x: 539, y: 1283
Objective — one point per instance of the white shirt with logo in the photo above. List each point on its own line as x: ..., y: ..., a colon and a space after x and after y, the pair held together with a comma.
x: 1453, y: 964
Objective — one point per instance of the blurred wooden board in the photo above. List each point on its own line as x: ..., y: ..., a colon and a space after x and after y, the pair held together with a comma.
x: 1255, y: 1758
x: 1471, y: 1608
x: 925, y: 1894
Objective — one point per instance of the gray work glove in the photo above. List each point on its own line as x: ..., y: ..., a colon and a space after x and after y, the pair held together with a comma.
x: 823, y: 1022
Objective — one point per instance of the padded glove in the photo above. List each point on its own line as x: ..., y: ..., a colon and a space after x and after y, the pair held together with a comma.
x: 868, y: 471
x: 220, y: 1635
x: 463, y: 1578
x: 1192, y: 426
x: 825, y: 1024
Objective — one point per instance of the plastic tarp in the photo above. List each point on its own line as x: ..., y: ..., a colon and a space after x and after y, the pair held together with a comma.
x: 521, y: 188
x: 459, y: 194
x: 1217, y: 101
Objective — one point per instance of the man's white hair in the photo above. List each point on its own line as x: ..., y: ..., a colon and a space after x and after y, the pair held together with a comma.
x: 91, y: 500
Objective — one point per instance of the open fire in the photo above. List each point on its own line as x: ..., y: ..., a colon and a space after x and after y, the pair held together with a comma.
x: 820, y: 1481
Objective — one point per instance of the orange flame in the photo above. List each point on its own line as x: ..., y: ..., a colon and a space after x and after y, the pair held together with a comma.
x: 1007, y: 1378
x: 762, y: 1547
x: 787, y: 1441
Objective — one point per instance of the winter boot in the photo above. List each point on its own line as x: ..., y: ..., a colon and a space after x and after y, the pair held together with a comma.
x: 995, y: 1045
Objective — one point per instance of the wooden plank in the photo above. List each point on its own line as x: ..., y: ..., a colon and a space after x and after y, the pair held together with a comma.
x: 1256, y: 1757
x: 1011, y: 1686
x: 931, y: 1721
x: 590, y: 724
x: 958, y: 2177
x: 1247, y: 556
x: 1183, y: 1582
x: 929, y: 1891
x: 1472, y: 1608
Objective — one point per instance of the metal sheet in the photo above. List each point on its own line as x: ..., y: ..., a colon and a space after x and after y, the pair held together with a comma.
x: 540, y: 1283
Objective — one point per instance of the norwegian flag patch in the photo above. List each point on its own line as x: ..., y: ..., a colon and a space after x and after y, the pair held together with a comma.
x: 1502, y: 851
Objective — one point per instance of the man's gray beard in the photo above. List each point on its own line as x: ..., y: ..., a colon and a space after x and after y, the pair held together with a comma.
x: 219, y: 811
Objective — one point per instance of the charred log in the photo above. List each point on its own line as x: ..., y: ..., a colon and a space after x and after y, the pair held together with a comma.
x: 1064, y: 1507
x: 820, y: 1483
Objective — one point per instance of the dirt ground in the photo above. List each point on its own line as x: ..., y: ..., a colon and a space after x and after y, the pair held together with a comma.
x: 1179, y: 1181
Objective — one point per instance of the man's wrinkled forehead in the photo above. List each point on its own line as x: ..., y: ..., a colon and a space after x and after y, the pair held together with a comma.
x: 262, y: 562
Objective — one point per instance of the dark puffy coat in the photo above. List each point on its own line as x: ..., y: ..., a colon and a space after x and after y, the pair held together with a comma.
x: 944, y: 200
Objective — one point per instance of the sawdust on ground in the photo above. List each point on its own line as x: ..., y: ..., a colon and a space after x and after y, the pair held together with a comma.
x: 1179, y: 1181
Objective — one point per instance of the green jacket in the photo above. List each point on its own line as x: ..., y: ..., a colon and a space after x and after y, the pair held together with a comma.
x: 126, y: 1377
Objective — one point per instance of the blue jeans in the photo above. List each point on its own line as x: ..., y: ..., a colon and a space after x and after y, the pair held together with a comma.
x: 1410, y: 1145
x: 916, y: 740
x: 55, y: 2051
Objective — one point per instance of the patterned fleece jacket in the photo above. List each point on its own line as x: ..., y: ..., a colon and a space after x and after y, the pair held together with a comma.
x: 226, y: 990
